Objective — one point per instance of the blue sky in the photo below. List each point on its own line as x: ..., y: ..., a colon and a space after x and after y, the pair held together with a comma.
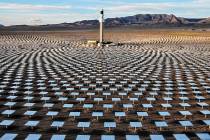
x: 34, y: 12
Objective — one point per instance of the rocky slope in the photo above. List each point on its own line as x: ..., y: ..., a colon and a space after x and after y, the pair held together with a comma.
x: 140, y: 20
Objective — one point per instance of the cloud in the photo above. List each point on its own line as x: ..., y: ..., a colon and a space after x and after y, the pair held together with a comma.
x: 140, y: 6
x: 194, y: 8
x: 153, y: 6
x: 16, y: 6
x: 37, y: 19
x: 129, y: 6
x: 202, y: 1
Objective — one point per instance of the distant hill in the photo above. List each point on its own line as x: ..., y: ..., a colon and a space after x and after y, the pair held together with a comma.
x: 140, y: 20
x: 148, y: 19
x: 205, y: 21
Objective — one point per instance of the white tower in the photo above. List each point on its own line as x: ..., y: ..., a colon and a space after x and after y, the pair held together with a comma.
x: 101, y: 27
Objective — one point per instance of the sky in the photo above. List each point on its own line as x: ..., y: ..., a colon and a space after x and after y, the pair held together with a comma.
x: 38, y: 12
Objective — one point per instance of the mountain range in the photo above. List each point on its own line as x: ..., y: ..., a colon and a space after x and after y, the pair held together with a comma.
x: 140, y: 20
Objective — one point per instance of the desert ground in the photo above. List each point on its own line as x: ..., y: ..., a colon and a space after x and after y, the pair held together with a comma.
x: 149, y: 84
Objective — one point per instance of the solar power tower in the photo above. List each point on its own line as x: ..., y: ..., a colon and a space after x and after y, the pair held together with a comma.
x: 101, y: 20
